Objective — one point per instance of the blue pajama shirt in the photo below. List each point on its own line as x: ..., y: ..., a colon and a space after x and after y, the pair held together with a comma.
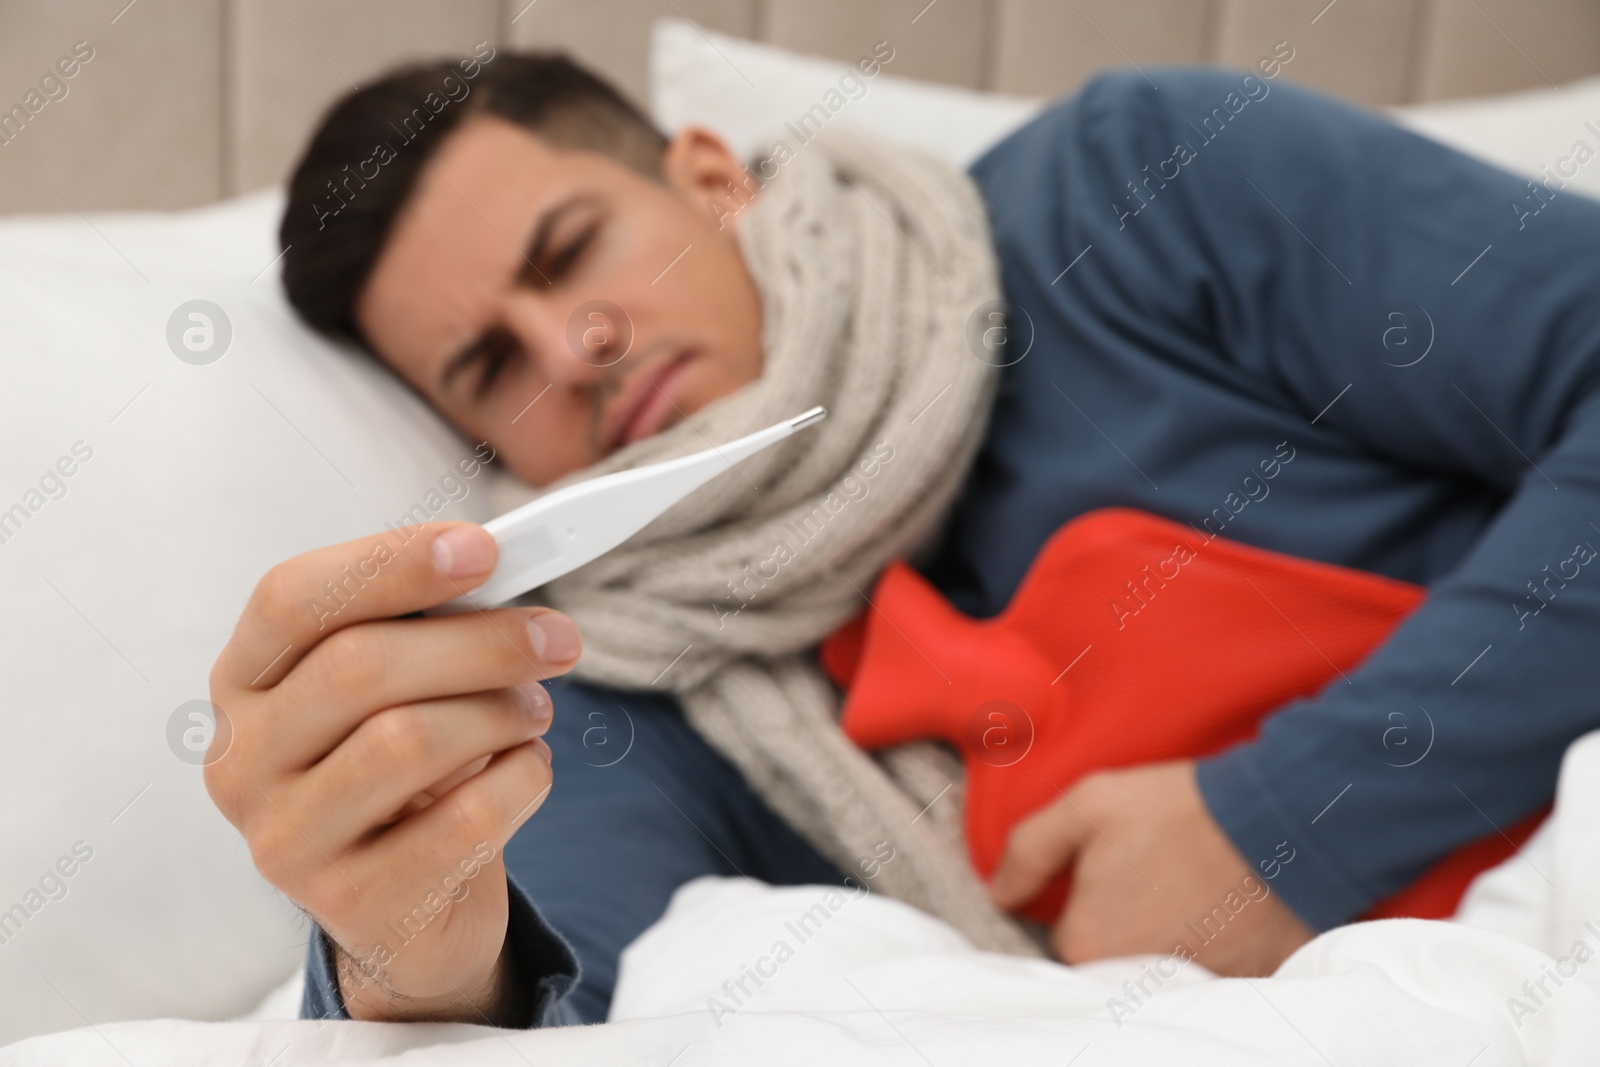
x: 1282, y: 320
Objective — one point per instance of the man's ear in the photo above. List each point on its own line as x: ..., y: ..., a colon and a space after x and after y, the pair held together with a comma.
x: 701, y: 168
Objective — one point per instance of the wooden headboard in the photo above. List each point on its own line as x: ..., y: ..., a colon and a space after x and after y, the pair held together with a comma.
x: 186, y: 101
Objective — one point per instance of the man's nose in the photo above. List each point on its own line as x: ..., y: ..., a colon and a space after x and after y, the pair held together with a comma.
x: 570, y: 342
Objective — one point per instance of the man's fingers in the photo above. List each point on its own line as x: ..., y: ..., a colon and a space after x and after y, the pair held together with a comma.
x: 303, y: 600
x: 1039, y: 847
x: 396, y: 754
x: 489, y: 806
x: 390, y: 662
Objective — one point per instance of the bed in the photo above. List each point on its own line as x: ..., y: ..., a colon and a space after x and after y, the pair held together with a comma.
x: 194, y: 467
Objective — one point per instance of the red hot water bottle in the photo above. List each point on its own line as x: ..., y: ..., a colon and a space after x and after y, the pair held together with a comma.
x: 1131, y: 640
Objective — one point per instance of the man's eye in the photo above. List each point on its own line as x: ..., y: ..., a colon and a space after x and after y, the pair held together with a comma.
x: 559, y: 262
x: 493, y: 364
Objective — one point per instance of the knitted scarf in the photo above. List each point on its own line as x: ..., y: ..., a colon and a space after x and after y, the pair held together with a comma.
x: 869, y: 261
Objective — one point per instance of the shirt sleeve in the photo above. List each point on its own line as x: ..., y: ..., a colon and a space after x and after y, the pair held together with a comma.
x: 1455, y: 727
x: 1425, y: 329
x: 545, y: 963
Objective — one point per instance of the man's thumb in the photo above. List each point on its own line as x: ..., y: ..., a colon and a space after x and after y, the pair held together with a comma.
x: 1040, y: 847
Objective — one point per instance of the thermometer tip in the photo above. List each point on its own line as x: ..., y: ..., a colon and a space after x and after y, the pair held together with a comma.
x: 806, y: 418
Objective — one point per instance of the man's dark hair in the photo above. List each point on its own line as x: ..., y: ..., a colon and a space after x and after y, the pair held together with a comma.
x: 363, y: 161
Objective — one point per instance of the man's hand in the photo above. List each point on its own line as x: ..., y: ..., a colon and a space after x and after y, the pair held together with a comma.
x: 1151, y: 872
x: 377, y: 765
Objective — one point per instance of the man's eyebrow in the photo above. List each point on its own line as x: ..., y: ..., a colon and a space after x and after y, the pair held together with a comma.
x: 475, y: 349
x: 541, y: 235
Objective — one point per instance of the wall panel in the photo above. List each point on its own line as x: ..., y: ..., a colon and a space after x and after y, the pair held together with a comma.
x: 189, y: 100
x: 291, y: 58
x: 141, y: 122
x: 1494, y: 46
x: 613, y: 36
x: 1359, y: 49
x: 944, y: 41
x: 1049, y: 48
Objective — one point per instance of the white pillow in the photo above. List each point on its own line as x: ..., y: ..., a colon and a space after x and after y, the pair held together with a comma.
x: 1532, y: 133
x: 754, y: 93
x: 747, y: 92
x: 124, y: 579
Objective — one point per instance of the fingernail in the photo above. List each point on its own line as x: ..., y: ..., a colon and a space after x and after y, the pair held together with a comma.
x: 554, y: 636
x: 544, y: 750
x: 535, y: 701
x: 463, y: 551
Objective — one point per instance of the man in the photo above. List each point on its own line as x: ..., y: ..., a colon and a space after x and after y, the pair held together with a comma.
x: 1218, y: 276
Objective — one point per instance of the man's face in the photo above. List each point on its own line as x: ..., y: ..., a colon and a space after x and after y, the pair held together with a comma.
x: 488, y: 294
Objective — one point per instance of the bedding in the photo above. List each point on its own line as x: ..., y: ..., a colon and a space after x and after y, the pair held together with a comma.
x: 118, y: 598
x: 737, y: 973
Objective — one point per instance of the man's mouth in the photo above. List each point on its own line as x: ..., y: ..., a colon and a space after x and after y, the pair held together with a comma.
x: 648, y: 400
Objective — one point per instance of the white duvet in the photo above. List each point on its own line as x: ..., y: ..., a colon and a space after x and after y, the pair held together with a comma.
x: 1515, y: 979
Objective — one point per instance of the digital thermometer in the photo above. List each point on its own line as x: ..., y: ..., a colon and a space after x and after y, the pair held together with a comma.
x: 563, y: 530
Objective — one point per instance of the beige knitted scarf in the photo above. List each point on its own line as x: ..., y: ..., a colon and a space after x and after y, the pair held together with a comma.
x: 869, y: 261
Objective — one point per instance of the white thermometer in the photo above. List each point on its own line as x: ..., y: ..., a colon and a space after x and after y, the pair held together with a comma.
x: 563, y: 530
